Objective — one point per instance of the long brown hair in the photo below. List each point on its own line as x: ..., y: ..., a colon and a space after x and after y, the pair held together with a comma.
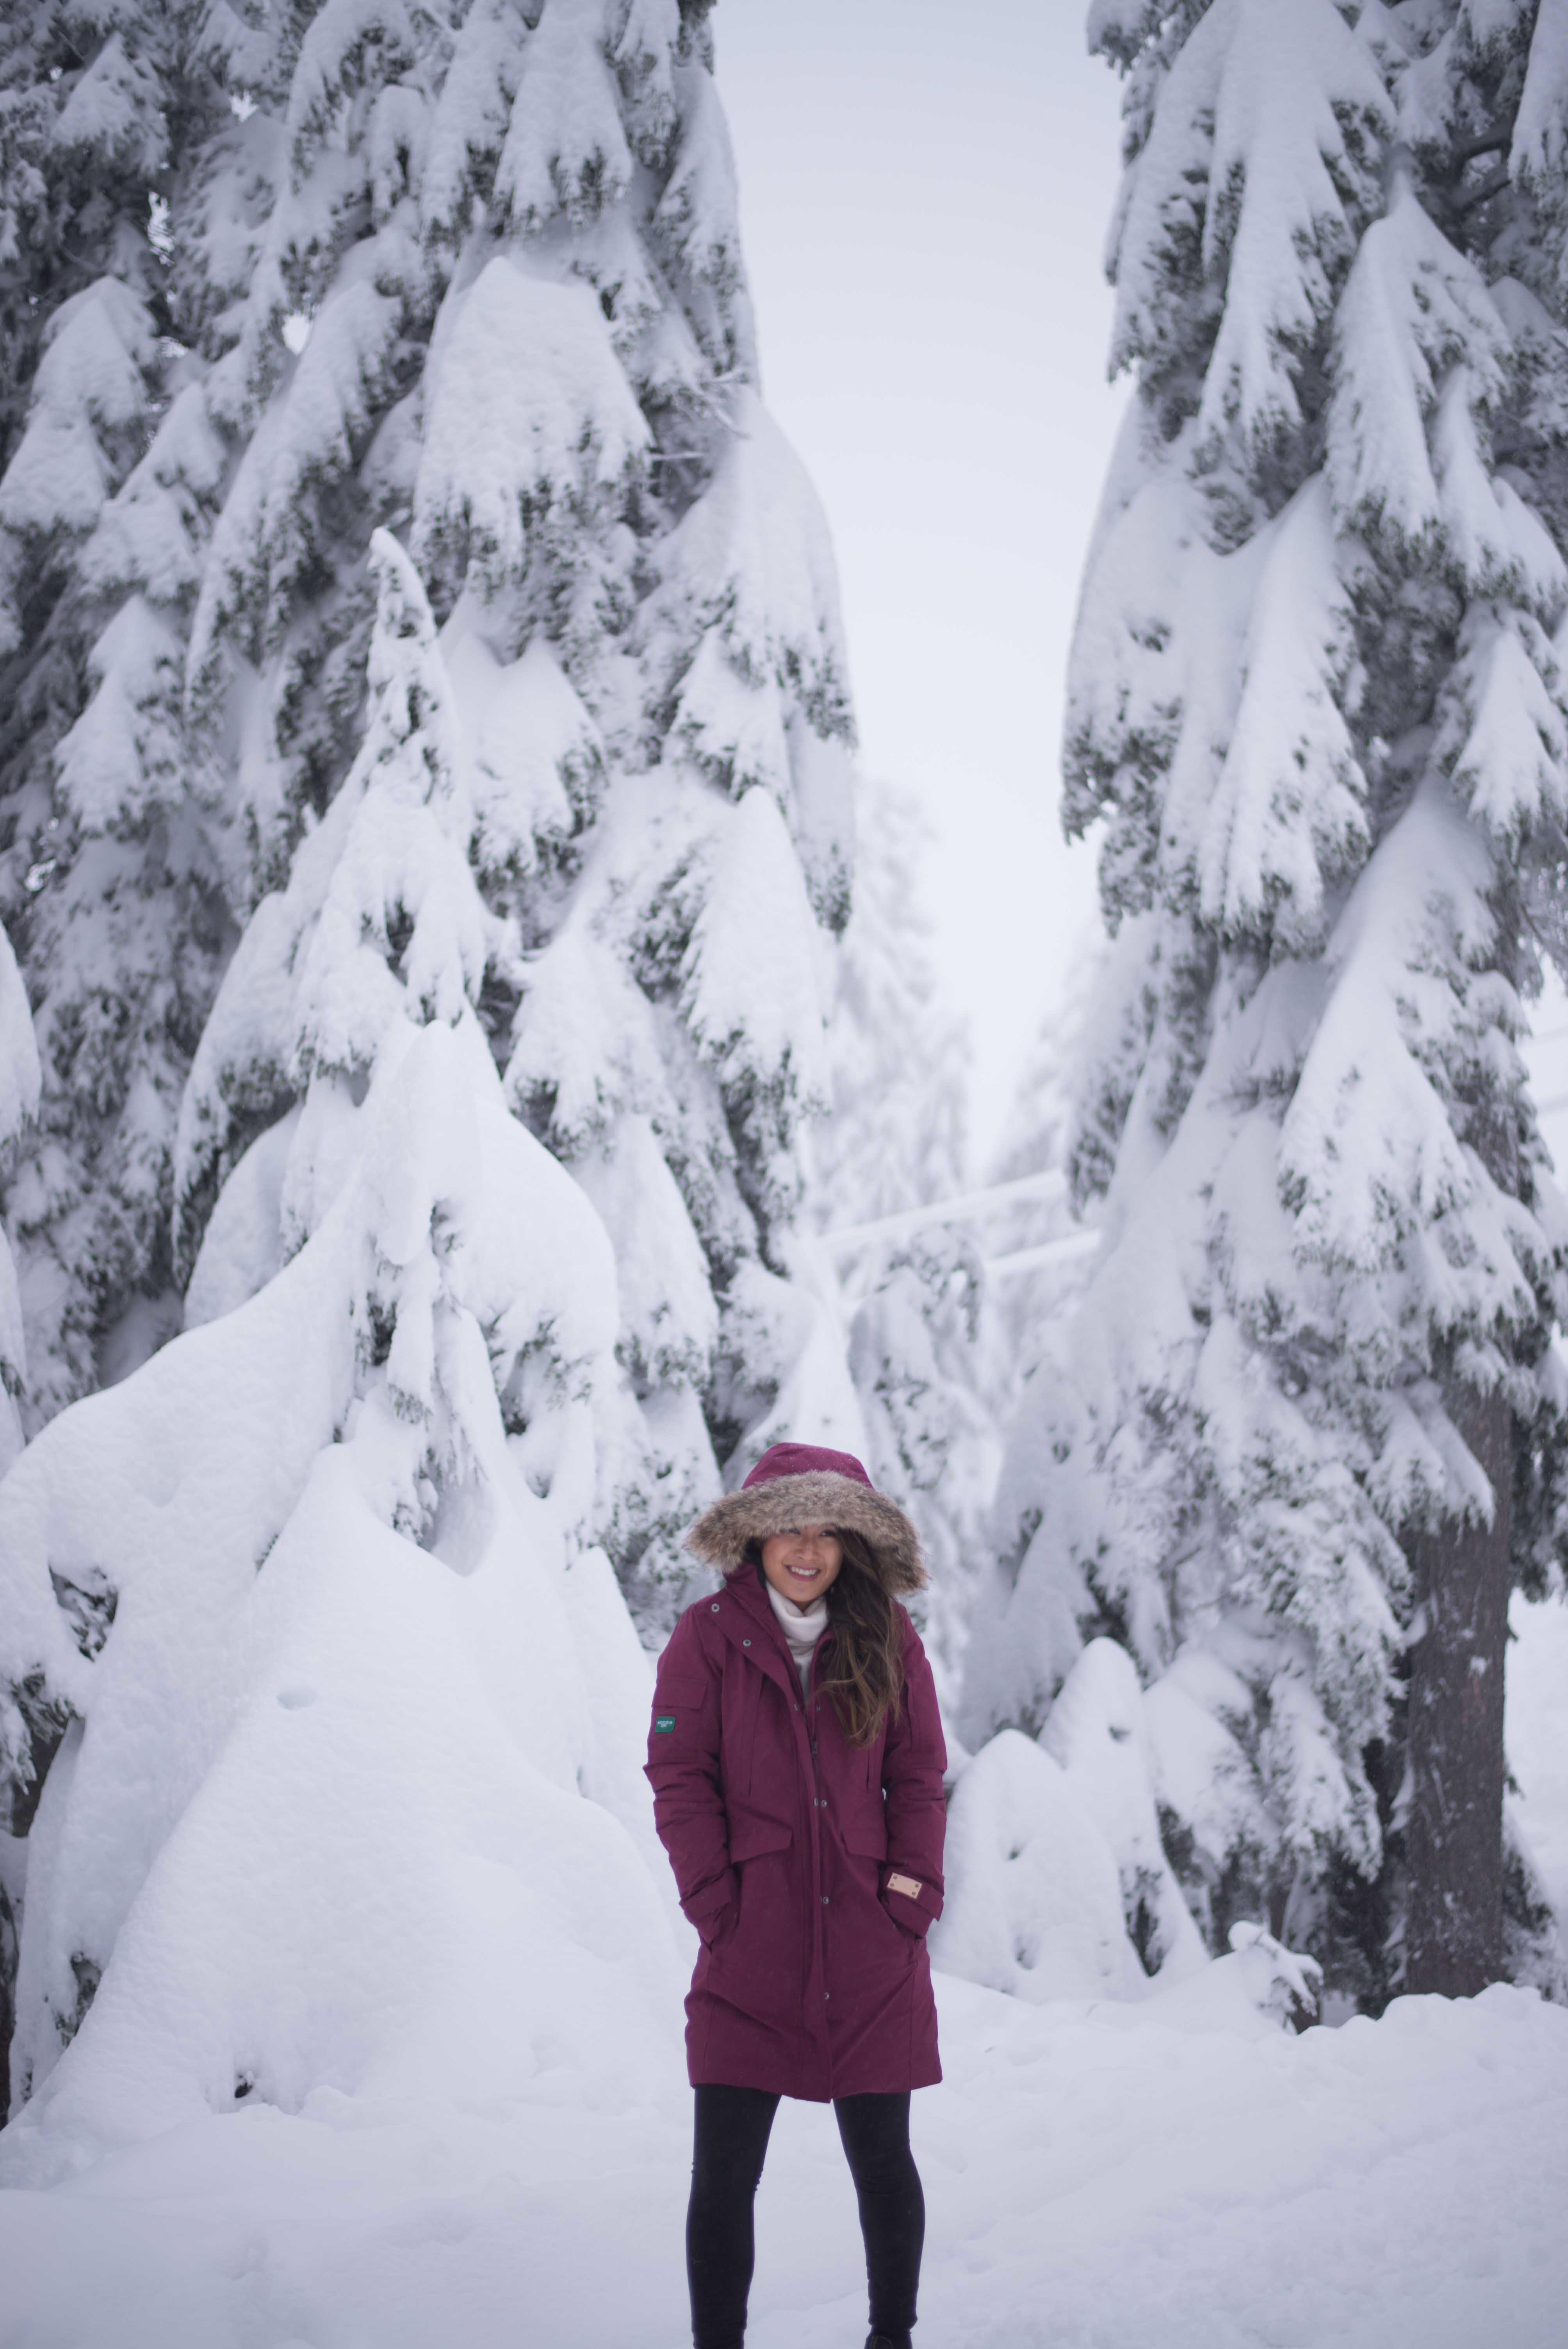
x: 862, y: 1671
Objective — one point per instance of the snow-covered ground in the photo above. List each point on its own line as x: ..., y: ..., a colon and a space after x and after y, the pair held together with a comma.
x: 1097, y: 2177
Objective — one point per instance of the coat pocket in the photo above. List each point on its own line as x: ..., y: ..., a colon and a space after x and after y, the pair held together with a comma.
x: 751, y: 1834
x: 865, y: 1833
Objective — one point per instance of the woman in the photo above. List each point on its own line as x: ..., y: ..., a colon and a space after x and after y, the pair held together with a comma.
x: 796, y: 1757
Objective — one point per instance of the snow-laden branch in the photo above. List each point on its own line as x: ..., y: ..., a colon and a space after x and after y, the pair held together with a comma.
x: 968, y: 1207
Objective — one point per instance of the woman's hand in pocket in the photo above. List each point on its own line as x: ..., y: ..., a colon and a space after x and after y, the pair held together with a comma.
x: 718, y: 1930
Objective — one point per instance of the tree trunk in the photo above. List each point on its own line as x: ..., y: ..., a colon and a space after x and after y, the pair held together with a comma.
x: 8, y: 2001
x: 1453, y: 1935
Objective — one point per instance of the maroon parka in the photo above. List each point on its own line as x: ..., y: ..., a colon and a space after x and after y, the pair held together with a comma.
x: 813, y: 1979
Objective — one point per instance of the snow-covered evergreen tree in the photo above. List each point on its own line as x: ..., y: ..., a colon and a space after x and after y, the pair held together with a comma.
x: 19, y: 1102
x: 513, y: 685
x: 332, y: 1494
x: 1304, y: 1428
x: 1035, y: 1142
x: 507, y: 257
x: 897, y: 1132
x: 913, y: 1301
x: 108, y: 471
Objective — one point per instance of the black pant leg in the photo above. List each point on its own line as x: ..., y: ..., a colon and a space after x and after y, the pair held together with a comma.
x: 729, y: 2143
x: 875, y: 2134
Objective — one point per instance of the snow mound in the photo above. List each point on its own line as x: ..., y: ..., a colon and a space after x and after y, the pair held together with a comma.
x: 1538, y: 1738
x: 1034, y: 1899
x: 1098, y: 1732
x: 326, y: 1811
x: 1258, y: 1987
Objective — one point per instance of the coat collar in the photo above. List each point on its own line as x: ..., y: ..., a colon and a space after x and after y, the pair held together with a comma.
x: 745, y: 1586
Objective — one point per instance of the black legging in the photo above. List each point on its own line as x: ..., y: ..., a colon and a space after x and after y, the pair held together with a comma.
x: 731, y: 2139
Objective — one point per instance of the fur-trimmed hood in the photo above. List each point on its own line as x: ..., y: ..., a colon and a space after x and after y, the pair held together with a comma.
x: 806, y: 1484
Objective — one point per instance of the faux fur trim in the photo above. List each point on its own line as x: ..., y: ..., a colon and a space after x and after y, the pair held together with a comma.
x: 819, y: 1497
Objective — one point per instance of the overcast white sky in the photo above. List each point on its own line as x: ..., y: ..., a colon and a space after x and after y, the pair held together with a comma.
x: 925, y: 188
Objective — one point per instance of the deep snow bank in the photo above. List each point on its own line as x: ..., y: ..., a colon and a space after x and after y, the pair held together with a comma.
x: 1097, y: 2176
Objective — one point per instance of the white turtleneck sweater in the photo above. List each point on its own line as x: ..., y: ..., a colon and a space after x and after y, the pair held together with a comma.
x: 802, y: 1627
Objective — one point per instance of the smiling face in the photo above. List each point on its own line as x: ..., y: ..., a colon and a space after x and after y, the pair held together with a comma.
x: 802, y: 1564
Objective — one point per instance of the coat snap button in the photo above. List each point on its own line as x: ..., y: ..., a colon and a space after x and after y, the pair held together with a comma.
x: 716, y: 1607
x: 746, y: 1643
x: 824, y: 1899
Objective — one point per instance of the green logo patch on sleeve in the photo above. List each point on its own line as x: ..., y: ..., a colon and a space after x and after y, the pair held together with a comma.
x: 663, y: 1721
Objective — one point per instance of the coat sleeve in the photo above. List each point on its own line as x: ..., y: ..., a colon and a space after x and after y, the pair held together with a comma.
x: 683, y: 1769
x: 914, y: 1760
